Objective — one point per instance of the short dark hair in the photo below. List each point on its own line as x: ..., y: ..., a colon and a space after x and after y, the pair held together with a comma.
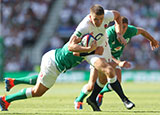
x: 124, y: 19
x: 97, y: 9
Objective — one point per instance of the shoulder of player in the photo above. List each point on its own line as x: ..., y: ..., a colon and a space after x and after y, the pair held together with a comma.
x: 131, y: 26
x: 86, y: 21
x: 108, y: 13
x: 84, y: 24
x: 110, y: 28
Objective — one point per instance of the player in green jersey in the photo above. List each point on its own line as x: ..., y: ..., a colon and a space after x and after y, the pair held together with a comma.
x: 53, y: 63
x: 60, y: 60
x: 117, y: 48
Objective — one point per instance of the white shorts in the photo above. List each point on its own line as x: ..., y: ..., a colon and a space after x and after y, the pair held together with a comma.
x: 49, y: 72
x: 107, y: 53
x: 91, y: 59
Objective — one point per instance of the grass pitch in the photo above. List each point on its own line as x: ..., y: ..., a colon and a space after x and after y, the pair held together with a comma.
x: 60, y: 98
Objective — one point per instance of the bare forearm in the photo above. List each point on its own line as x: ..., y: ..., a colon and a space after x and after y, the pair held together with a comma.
x: 118, y: 27
x: 118, y: 22
x: 78, y: 48
x: 148, y: 36
x: 144, y: 33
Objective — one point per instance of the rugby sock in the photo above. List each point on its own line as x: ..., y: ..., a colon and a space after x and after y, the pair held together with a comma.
x: 117, y: 87
x: 26, y: 80
x: 22, y: 94
x: 97, y: 88
x: 107, y: 88
x: 83, y: 94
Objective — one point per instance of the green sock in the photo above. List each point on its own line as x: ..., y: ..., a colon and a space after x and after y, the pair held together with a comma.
x: 105, y: 89
x: 83, y: 94
x: 26, y: 80
x: 81, y: 97
x: 22, y: 94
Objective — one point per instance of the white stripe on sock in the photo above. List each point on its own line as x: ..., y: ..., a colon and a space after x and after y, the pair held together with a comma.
x: 109, y: 87
x: 112, y: 80
x: 99, y: 83
x: 84, y: 89
x: 29, y: 92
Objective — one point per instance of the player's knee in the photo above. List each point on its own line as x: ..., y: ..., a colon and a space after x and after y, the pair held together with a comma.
x: 110, y: 71
x: 102, y: 80
x: 37, y: 93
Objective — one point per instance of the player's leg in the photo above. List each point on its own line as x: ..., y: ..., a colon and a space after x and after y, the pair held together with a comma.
x: 87, y: 88
x: 101, y: 65
x: 107, y: 87
x: 90, y: 85
x: 44, y: 82
x: 115, y: 85
x: 11, y: 82
x: 46, y: 79
x: 25, y: 93
x: 98, y: 86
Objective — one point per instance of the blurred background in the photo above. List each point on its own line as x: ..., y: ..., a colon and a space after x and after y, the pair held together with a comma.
x: 29, y: 28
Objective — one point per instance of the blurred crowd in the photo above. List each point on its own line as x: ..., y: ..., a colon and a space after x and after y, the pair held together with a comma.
x: 20, y: 24
x: 22, y: 20
x: 143, y: 13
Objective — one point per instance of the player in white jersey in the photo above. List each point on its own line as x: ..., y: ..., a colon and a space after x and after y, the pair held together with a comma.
x: 96, y: 23
x: 56, y: 61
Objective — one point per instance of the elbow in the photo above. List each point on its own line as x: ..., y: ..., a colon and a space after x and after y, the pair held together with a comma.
x: 117, y: 16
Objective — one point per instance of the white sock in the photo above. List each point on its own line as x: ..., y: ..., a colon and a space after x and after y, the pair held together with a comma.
x: 109, y: 87
x: 84, y: 89
x: 112, y: 80
x: 99, y: 83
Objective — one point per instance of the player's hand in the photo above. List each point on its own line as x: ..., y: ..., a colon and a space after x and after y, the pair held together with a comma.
x: 121, y: 39
x: 154, y: 44
x: 93, y: 46
x: 125, y: 64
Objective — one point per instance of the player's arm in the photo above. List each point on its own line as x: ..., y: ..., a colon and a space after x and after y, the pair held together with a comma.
x: 119, y: 63
x: 118, y: 27
x: 75, y: 47
x: 154, y: 43
x: 99, y: 50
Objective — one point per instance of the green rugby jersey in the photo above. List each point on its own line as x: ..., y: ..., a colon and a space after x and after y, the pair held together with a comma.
x: 116, y: 46
x: 65, y: 59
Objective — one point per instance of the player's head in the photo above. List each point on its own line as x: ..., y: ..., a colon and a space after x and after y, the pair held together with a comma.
x: 97, y: 15
x: 124, y: 23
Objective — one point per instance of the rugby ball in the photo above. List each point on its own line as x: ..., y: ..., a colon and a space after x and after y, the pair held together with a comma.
x: 87, y: 40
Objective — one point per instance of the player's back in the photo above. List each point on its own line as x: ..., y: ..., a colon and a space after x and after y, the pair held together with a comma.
x: 65, y: 59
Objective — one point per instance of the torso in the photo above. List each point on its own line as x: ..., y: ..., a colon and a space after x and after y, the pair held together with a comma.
x: 99, y: 33
x: 116, y: 47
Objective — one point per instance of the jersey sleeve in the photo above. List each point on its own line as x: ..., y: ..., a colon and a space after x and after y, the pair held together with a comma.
x: 133, y: 30
x: 108, y: 16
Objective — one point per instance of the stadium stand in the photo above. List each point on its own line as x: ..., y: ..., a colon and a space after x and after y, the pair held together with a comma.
x: 141, y: 13
x: 21, y: 24
x: 23, y: 21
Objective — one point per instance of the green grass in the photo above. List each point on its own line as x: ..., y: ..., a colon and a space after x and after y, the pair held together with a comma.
x: 59, y: 101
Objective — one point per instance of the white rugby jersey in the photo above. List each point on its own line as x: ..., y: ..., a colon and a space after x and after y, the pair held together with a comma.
x: 99, y: 33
